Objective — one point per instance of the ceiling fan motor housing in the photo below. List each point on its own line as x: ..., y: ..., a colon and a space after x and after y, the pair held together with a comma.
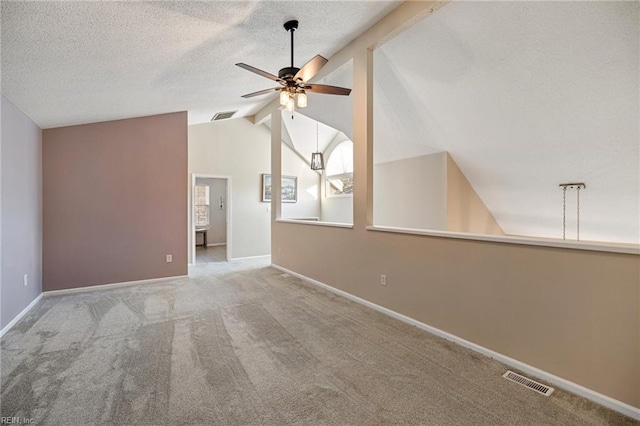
x: 291, y: 25
x: 288, y: 73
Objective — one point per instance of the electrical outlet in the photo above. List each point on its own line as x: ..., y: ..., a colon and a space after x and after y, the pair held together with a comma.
x: 24, y: 280
x: 383, y: 279
x: 169, y: 258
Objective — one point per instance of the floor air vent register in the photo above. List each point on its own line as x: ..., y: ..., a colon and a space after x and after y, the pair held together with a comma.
x: 521, y: 380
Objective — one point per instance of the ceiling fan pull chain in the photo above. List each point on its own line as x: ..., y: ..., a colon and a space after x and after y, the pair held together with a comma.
x: 292, y: 30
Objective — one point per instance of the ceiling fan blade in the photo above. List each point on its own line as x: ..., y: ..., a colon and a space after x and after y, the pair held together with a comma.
x: 311, y: 68
x: 261, y: 92
x: 327, y: 90
x: 260, y: 72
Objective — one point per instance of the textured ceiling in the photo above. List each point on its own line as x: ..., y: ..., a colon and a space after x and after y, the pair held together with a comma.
x: 525, y: 96
x: 67, y: 63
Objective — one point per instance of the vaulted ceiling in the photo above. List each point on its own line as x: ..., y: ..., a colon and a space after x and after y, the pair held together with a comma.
x: 524, y: 96
x: 307, y: 135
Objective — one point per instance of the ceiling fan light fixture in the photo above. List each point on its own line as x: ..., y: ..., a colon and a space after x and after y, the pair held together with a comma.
x: 284, y: 97
x: 290, y: 106
x: 301, y: 100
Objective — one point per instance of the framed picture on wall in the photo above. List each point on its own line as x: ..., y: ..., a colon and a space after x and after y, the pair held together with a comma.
x: 289, y: 189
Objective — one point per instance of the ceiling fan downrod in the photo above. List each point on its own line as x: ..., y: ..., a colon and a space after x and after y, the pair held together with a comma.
x: 289, y: 72
x: 291, y: 26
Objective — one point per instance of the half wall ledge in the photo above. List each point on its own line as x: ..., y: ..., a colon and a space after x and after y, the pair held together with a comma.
x: 529, y: 241
x: 316, y: 223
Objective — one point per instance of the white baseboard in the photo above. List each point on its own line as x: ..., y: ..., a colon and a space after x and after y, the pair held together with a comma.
x: 619, y: 406
x: 20, y: 315
x: 109, y: 286
x: 216, y: 244
x: 264, y: 256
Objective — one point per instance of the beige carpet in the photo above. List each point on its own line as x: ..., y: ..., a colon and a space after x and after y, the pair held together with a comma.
x: 240, y: 343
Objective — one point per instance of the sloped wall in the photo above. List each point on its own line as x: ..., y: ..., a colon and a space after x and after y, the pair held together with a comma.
x: 465, y: 210
x: 525, y: 95
x: 429, y: 192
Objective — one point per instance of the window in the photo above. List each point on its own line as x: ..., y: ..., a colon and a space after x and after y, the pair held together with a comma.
x: 201, y: 204
x: 339, y: 170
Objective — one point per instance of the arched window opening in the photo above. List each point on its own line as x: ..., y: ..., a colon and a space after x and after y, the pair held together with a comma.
x: 339, y: 170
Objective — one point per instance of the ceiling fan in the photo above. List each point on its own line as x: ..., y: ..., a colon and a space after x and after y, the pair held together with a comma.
x: 294, y: 81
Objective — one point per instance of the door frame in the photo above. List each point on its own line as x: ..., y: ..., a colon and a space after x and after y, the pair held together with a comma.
x: 192, y: 209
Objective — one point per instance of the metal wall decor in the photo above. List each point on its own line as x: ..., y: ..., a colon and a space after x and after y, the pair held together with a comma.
x: 565, y: 186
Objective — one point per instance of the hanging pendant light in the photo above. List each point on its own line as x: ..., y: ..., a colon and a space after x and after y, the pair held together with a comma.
x: 317, y: 161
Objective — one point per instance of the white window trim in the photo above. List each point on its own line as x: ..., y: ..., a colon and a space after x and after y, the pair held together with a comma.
x: 208, y: 206
x: 328, y: 152
x: 327, y: 194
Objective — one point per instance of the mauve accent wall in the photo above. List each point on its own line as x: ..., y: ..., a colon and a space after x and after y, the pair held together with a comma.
x: 114, y: 201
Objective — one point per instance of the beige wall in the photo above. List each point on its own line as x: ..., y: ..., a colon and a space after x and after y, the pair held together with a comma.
x: 412, y: 192
x: 114, y: 198
x: 336, y: 209
x: 573, y: 313
x: 429, y: 192
x: 308, y: 204
x: 569, y: 312
x: 240, y: 150
x: 465, y: 210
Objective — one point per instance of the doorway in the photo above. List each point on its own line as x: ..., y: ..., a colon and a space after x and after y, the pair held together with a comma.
x: 211, y: 219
